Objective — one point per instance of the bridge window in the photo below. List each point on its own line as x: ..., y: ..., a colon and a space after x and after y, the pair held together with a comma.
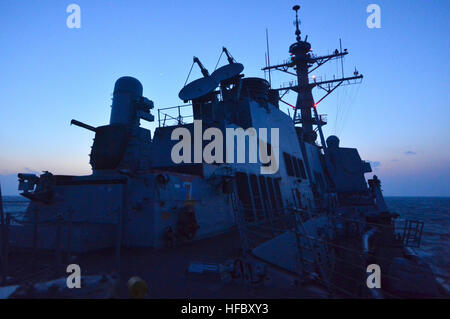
x: 271, y: 187
x: 302, y: 168
x: 288, y: 162
x: 256, y: 197
x: 264, y: 193
x: 278, y: 196
x: 296, y: 166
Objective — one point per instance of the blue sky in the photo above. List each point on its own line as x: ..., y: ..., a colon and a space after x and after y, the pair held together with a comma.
x: 398, y: 117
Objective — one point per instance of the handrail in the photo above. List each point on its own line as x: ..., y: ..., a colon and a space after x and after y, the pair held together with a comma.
x: 179, y: 118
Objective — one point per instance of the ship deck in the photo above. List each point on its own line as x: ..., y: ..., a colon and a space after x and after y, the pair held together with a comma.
x: 166, y: 271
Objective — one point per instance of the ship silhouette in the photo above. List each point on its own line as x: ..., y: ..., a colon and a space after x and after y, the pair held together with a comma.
x: 311, y: 229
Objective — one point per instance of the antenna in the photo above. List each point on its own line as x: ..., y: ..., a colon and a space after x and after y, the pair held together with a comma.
x: 268, y: 55
x: 267, y: 64
x: 228, y: 71
x: 229, y: 57
x: 342, y: 57
x: 301, y: 64
x: 198, y: 88
x: 297, y: 29
x: 202, y: 68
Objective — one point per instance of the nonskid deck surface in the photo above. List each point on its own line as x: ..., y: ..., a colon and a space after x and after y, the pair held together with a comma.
x: 166, y: 271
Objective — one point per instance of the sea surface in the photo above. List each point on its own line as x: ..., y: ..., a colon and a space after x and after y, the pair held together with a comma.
x: 433, y: 211
x: 435, y: 245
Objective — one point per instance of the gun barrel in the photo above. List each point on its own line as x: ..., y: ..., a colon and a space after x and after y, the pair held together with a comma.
x: 81, y: 124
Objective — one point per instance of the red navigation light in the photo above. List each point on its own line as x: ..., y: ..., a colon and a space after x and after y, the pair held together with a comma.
x: 315, y: 105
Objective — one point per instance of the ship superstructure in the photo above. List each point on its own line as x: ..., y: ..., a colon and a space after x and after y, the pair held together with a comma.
x: 314, y: 211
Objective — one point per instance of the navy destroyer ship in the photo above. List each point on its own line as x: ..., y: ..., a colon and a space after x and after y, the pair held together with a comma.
x: 312, y: 228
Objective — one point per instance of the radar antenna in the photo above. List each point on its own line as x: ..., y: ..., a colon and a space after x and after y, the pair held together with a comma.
x: 297, y: 29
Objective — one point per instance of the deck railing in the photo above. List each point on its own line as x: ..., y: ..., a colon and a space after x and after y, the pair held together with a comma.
x: 338, y: 262
x: 175, y: 115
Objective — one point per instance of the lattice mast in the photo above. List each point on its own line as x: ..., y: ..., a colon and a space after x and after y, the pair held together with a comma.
x: 303, y: 62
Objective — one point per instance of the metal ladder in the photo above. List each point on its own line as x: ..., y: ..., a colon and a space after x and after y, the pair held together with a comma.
x: 412, y: 233
x: 312, y: 247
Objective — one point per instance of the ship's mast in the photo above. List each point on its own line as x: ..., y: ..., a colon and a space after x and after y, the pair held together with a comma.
x: 303, y: 62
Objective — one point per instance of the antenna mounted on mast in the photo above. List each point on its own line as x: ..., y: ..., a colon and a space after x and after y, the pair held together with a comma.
x: 303, y: 63
x: 297, y: 29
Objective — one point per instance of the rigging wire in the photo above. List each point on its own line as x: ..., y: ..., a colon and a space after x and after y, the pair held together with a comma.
x: 352, y: 99
x: 337, y: 104
x: 350, y: 106
x: 189, y: 74
x: 344, y: 103
x: 343, y: 109
x: 220, y: 56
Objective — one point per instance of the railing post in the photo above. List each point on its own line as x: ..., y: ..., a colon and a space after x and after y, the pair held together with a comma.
x: 58, y: 241
x: 2, y: 238
x: 6, y: 247
x: 404, y: 231
x: 420, y: 235
x: 35, y: 231
x: 2, y: 216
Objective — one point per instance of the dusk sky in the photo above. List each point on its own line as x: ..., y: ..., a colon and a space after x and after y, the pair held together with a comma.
x: 398, y: 117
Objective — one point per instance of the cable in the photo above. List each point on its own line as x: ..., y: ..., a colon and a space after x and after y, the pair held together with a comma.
x: 189, y: 74
x: 220, y: 56
x: 352, y: 101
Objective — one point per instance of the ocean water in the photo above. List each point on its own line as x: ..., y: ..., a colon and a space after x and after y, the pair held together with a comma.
x: 14, y: 204
x: 433, y: 211
x: 435, y: 245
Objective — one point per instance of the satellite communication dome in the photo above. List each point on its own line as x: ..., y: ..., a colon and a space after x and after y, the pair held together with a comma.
x: 333, y: 141
x: 227, y: 72
x: 198, y: 88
